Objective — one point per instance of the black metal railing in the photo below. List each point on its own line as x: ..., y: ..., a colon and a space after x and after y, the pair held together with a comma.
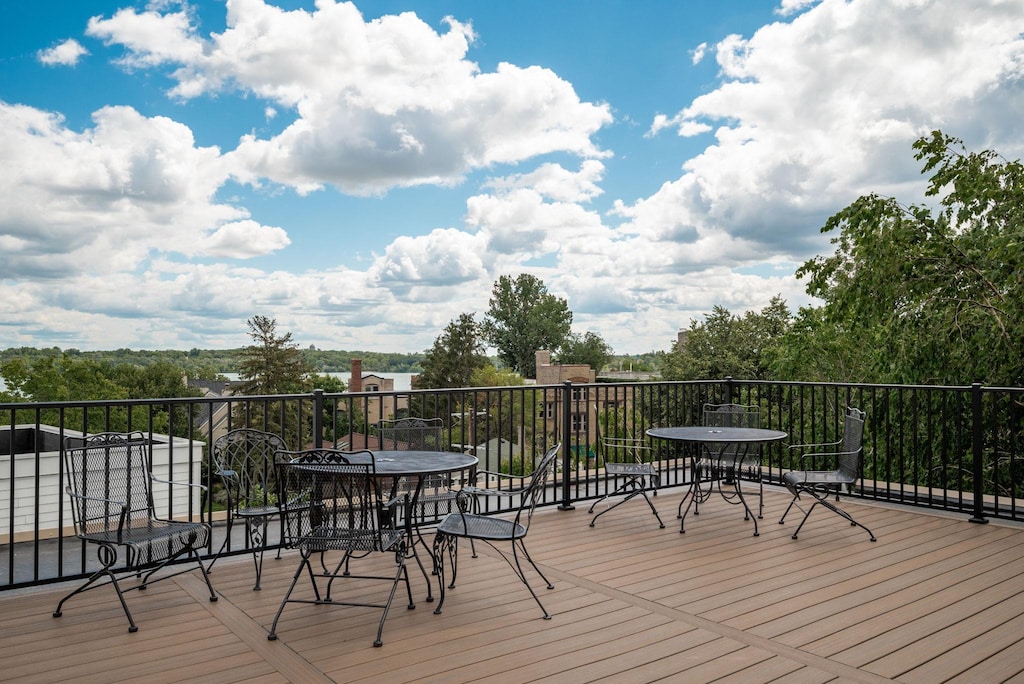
x: 956, y: 449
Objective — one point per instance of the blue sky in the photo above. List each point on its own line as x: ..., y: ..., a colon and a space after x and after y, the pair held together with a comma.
x: 364, y: 172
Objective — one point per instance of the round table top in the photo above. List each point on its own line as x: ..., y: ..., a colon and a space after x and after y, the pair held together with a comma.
x: 411, y: 462
x: 704, y: 433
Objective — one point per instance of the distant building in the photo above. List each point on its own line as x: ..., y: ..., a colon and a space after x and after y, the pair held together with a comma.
x: 583, y: 414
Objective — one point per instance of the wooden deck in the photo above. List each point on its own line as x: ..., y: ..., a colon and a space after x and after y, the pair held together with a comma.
x: 934, y: 599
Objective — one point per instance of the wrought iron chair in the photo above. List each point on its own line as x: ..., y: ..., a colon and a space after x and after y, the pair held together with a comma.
x: 435, y: 494
x: 847, y: 454
x: 728, y: 464
x: 341, y: 510
x: 627, y: 460
x: 493, y: 530
x: 244, y: 461
x: 110, y: 484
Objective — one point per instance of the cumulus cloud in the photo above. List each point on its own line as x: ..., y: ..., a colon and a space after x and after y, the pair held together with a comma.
x: 379, y: 104
x: 114, y: 194
x: 814, y: 112
x: 66, y: 53
x: 245, y: 239
x: 808, y: 113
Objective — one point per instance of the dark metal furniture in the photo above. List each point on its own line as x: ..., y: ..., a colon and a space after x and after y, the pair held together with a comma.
x: 434, y: 493
x: 494, y: 530
x: 342, y: 510
x: 244, y: 461
x: 713, y: 440
x: 846, y: 454
x: 726, y: 461
x: 111, y: 491
x: 402, y: 471
x: 627, y: 460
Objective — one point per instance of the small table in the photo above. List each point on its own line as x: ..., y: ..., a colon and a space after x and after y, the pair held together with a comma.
x: 743, y: 438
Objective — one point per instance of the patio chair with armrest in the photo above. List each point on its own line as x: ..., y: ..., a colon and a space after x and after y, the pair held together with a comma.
x: 110, y: 484
x: 847, y: 454
x: 628, y: 461
x: 494, y: 530
x: 342, y: 510
x: 244, y: 461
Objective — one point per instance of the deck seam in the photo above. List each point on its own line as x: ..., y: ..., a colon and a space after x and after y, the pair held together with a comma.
x: 278, y: 654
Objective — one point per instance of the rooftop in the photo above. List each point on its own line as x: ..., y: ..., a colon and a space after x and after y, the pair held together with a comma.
x: 936, y: 598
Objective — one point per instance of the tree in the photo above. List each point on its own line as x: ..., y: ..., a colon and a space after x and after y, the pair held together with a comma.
x: 726, y: 345
x: 919, y: 294
x: 456, y: 354
x: 524, y: 317
x: 590, y: 349
x: 273, y: 365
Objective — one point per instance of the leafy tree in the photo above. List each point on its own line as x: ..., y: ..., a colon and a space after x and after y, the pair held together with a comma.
x: 273, y: 364
x: 590, y: 349
x: 727, y: 345
x: 524, y: 317
x: 457, y: 353
x: 919, y: 294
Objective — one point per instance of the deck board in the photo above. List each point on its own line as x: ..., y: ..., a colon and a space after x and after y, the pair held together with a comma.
x: 936, y: 598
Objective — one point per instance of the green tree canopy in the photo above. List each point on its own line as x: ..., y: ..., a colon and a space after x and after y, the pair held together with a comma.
x: 457, y: 353
x: 524, y: 317
x: 927, y: 294
x: 272, y: 364
x: 589, y: 348
x: 727, y: 345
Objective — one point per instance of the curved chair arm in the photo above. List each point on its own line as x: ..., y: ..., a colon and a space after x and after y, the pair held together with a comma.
x: 201, y: 487
x: 489, y: 475
x: 83, y: 503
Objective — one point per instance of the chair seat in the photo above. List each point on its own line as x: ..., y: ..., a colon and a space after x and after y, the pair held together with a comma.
x: 340, y: 539
x: 258, y: 511
x: 481, y: 527
x: 638, y: 469
x: 814, y: 477
x: 154, y: 538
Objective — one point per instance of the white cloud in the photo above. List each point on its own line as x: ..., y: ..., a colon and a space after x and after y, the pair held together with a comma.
x: 66, y: 53
x: 245, y: 239
x: 380, y: 104
x: 815, y: 112
x: 114, y: 194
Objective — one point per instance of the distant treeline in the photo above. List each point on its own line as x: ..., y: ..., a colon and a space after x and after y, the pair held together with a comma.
x: 208, y: 363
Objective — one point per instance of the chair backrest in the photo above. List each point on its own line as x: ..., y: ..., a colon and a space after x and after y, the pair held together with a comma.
x: 852, y: 444
x: 404, y: 434
x: 734, y: 415
x: 534, y: 491
x: 244, y: 459
x: 104, y: 468
x: 332, y: 500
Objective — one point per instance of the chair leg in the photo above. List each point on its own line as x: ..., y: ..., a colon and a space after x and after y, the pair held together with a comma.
x: 303, y: 564
x: 108, y: 558
x: 635, y: 488
x: 522, y: 575
x: 822, y: 498
x: 445, y: 544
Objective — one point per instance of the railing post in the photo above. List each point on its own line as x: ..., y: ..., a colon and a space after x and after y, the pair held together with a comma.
x: 728, y: 389
x: 566, y: 504
x: 318, y: 418
x: 977, y: 449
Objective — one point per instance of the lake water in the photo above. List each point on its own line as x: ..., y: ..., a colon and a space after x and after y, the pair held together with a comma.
x: 403, y: 381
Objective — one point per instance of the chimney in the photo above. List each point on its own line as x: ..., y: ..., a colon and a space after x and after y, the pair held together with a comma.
x: 356, y: 384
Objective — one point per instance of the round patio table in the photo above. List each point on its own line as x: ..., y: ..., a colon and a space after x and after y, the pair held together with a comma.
x: 743, y: 438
